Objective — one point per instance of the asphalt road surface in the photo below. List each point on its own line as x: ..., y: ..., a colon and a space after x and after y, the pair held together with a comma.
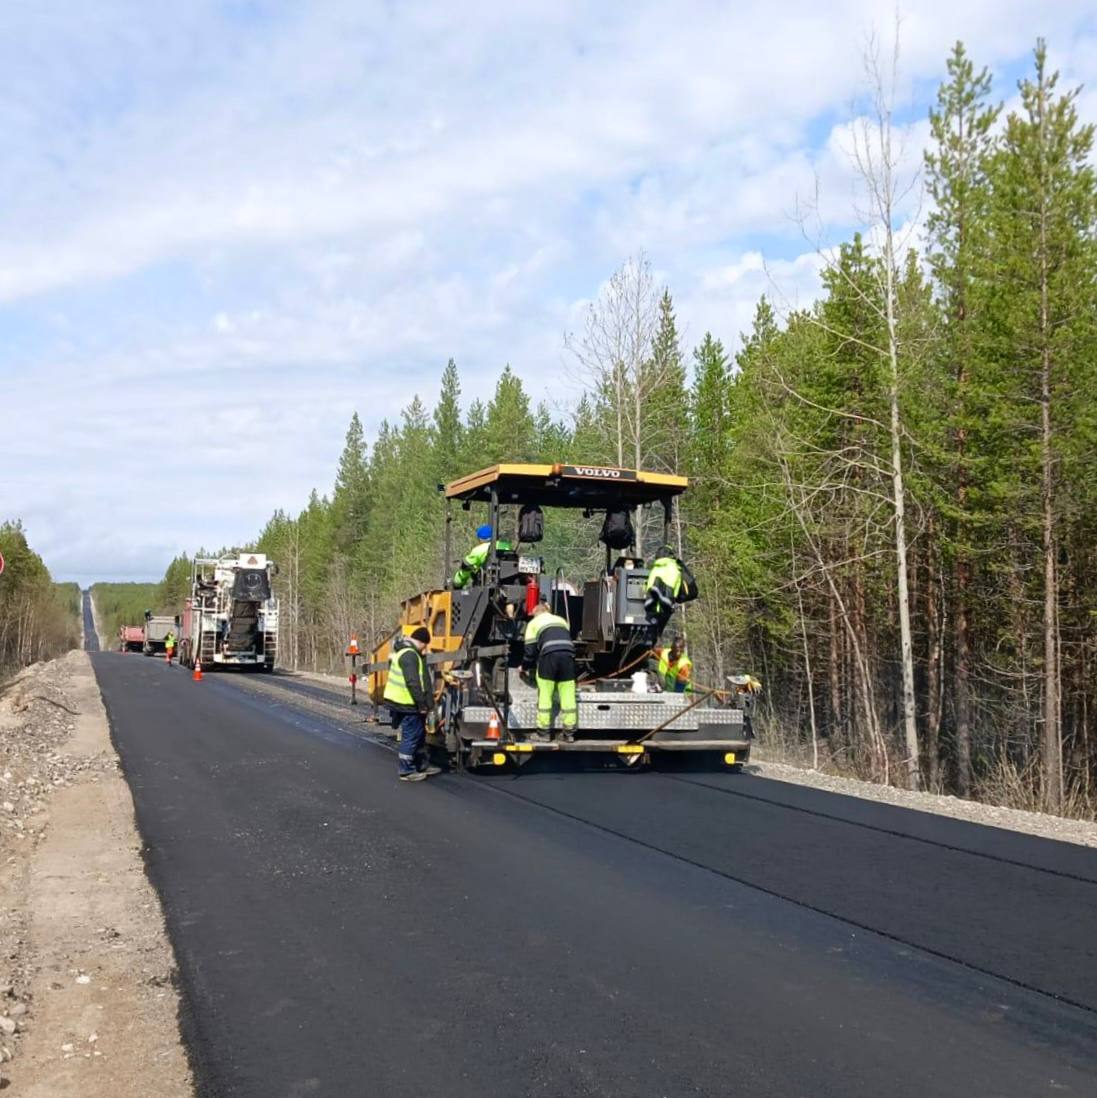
x: 91, y: 638
x: 571, y: 934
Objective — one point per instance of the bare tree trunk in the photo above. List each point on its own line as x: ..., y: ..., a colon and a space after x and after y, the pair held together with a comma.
x: 836, y: 708
x: 934, y: 676
x: 1052, y: 738
x: 910, y: 726
x: 808, y: 676
x: 1052, y: 742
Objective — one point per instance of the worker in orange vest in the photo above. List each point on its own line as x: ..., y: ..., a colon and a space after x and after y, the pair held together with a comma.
x: 674, y: 667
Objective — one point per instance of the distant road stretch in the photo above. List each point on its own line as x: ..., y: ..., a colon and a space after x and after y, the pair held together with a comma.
x: 91, y: 638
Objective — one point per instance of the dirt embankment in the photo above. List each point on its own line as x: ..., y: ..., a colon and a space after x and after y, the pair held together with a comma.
x: 87, y: 999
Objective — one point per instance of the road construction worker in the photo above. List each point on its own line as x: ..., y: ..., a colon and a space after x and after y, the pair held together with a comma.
x: 477, y: 557
x: 550, y: 650
x: 169, y: 647
x: 664, y: 584
x: 410, y: 699
x: 674, y: 667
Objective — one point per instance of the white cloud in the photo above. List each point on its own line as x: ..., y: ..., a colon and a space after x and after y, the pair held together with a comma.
x: 232, y: 226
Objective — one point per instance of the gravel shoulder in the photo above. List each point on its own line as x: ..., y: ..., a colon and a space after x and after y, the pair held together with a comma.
x: 87, y: 998
x: 1081, y: 832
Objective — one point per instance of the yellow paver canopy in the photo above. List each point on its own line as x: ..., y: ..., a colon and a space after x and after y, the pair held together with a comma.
x: 561, y: 485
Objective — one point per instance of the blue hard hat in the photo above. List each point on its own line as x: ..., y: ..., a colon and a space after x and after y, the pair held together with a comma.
x: 484, y: 533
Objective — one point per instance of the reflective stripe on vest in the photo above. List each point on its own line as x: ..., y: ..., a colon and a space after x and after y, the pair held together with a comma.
x: 547, y: 620
x: 396, y: 687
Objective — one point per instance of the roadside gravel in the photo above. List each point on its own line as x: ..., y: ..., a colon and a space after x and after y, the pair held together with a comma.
x: 1081, y: 832
x: 87, y: 998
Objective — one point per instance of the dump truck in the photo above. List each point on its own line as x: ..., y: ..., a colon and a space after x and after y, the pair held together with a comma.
x: 230, y: 618
x: 130, y: 638
x: 486, y: 715
x: 157, y: 627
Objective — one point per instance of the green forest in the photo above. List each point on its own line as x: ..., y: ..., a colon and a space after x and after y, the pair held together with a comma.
x: 118, y: 604
x: 39, y: 619
x: 892, y: 506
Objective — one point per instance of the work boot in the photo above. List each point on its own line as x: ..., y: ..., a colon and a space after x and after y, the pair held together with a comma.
x: 568, y: 735
x: 414, y: 776
x: 429, y: 771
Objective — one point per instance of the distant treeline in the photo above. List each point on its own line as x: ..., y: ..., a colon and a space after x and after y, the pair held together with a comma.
x: 119, y: 604
x: 39, y: 619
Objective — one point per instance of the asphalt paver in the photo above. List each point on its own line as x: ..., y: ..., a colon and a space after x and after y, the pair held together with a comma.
x: 617, y: 933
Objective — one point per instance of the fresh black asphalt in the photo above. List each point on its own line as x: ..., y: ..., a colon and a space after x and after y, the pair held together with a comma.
x: 340, y: 933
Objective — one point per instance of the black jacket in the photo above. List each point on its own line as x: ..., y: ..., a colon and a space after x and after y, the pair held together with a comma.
x: 419, y: 687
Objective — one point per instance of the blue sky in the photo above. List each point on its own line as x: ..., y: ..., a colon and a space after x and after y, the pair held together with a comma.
x: 225, y: 228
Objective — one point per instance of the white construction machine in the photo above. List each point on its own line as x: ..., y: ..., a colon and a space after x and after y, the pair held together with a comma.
x: 231, y: 616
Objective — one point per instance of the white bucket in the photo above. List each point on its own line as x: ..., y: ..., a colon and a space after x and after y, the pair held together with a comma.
x: 639, y: 682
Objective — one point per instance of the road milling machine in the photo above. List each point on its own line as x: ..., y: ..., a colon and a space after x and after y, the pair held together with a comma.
x: 231, y: 616
x: 486, y: 714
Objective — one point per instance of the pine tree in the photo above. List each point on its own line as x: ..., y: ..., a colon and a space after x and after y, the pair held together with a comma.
x: 1041, y: 324
x: 350, y: 501
x: 666, y: 415
x: 448, y: 430
x: 475, y: 451
x: 710, y: 424
x: 510, y: 432
x: 962, y: 128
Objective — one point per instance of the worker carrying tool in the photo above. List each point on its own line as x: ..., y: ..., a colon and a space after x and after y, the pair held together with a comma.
x: 477, y: 557
x: 674, y: 667
x: 410, y: 699
x: 169, y: 646
x: 550, y: 651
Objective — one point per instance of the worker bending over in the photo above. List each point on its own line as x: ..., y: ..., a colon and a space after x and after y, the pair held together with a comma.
x: 477, y: 557
x: 410, y: 699
x: 674, y: 667
x: 663, y: 586
x: 550, y: 649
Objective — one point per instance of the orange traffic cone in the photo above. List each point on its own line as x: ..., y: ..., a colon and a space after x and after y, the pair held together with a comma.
x: 493, y: 728
x: 352, y: 648
x: 197, y: 676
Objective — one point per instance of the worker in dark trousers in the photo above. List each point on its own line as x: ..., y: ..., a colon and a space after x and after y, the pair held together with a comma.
x: 663, y: 586
x: 550, y: 650
x: 410, y: 699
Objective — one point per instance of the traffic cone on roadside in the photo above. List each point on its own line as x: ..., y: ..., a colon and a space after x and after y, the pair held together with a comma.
x: 197, y: 676
x: 493, y: 728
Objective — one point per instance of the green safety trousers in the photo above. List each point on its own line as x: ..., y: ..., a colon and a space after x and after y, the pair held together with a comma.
x: 556, y: 680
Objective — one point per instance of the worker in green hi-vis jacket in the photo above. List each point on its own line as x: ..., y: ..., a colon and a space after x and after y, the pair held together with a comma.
x: 477, y: 557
